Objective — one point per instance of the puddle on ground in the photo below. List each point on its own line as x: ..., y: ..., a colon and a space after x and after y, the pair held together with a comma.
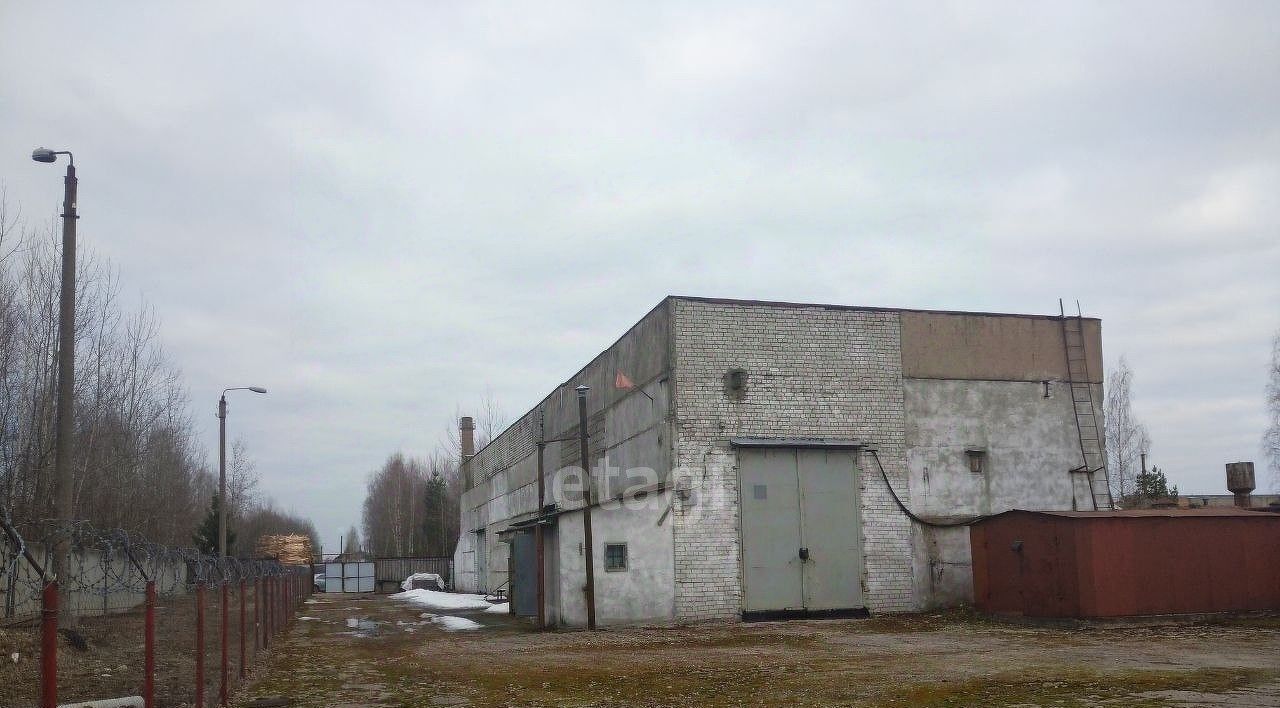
x: 362, y: 627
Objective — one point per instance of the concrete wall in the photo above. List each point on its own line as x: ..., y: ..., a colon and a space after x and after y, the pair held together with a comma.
x: 629, y: 432
x: 812, y: 371
x: 644, y: 593
x: 104, y: 583
x: 1030, y: 442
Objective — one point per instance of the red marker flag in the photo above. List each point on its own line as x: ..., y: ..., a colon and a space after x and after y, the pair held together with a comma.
x: 621, y: 381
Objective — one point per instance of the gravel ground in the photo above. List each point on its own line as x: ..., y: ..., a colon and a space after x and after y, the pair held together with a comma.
x: 374, y: 651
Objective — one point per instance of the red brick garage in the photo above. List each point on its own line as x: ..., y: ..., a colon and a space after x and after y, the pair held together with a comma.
x: 1126, y: 563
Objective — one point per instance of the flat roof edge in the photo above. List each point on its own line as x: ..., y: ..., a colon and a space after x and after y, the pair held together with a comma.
x: 862, y: 308
x: 1197, y: 513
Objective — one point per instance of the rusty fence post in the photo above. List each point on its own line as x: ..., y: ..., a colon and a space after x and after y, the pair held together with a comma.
x: 49, y: 645
x: 257, y: 615
x: 266, y: 612
x: 200, y: 645
x: 149, y: 649
x: 222, y: 629
x: 242, y: 669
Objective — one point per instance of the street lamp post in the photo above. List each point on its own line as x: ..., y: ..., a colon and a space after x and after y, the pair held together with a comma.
x: 222, y: 522
x: 222, y: 465
x: 65, y: 415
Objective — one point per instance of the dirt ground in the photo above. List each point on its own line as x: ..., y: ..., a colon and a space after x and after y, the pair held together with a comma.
x: 393, y: 657
x: 110, y: 662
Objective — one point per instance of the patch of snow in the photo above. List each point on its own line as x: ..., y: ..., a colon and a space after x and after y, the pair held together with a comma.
x: 437, y: 600
x: 501, y: 608
x: 428, y: 578
x: 352, y: 622
x: 426, y: 615
x: 456, y: 624
x: 312, y: 619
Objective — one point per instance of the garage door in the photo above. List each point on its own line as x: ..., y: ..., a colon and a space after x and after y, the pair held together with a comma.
x: 801, y: 539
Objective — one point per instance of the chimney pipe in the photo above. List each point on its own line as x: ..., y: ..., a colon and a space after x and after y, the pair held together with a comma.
x: 467, y: 426
x: 1240, y: 481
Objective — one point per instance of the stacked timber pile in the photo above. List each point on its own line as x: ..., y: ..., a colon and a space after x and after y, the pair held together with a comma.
x: 290, y: 550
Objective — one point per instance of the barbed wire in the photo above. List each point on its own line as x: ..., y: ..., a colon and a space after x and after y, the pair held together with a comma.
x: 113, y: 562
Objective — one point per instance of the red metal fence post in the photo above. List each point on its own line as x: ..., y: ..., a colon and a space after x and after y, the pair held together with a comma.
x: 266, y: 613
x: 222, y: 683
x: 257, y: 615
x: 199, y: 646
x: 49, y: 645
x: 242, y: 669
x: 149, y: 649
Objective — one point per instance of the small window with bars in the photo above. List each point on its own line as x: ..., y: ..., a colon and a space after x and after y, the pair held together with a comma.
x: 615, y: 557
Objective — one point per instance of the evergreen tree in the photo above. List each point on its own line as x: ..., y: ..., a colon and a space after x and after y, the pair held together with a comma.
x: 1154, y: 485
x: 206, y: 536
x: 436, y: 523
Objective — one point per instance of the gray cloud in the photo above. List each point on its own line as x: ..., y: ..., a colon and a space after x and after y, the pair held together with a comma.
x: 382, y: 213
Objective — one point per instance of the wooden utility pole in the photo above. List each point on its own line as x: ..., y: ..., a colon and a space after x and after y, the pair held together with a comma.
x: 586, y: 506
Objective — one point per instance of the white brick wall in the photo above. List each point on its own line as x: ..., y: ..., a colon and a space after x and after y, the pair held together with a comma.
x: 812, y: 372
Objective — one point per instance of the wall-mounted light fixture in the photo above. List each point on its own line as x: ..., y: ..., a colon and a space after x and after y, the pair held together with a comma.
x: 977, y: 459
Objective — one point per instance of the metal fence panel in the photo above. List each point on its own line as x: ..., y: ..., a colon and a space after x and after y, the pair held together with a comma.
x: 391, y: 572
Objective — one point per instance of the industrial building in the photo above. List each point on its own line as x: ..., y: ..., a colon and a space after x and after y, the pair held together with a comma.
x: 758, y: 459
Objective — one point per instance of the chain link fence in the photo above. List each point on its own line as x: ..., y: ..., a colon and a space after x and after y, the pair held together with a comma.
x: 160, y: 625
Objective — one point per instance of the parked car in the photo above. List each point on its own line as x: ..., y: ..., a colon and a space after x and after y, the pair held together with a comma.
x: 319, y: 582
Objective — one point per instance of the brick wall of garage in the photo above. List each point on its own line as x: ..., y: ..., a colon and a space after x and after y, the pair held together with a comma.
x: 811, y: 372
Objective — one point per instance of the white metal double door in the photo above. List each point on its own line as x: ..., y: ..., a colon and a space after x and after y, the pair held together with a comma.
x: 801, y: 537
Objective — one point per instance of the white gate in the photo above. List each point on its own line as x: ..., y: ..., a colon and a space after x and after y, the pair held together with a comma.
x: 349, y: 577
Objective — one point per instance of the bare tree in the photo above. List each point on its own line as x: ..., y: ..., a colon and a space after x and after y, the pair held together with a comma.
x: 490, y: 420
x: 1271, y: 439
x: 351, y: 544
x: 242, y: 481
x: 394, y: 511
x: 1126, y: 436
x: 136, y: 463
x: 411, y: 505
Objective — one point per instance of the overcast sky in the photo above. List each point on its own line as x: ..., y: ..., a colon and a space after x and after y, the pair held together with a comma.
x: 382, y: 213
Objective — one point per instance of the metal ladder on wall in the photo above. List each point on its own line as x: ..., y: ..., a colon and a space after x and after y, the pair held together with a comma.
x: 1092, y: 451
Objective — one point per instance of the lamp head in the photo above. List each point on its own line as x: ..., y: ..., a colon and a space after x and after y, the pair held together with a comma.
x: 257, y: 389
x: 44, y: 155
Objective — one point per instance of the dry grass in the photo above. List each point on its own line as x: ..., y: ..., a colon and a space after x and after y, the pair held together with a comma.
x: 111, y: 666
x: 950, y: 659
